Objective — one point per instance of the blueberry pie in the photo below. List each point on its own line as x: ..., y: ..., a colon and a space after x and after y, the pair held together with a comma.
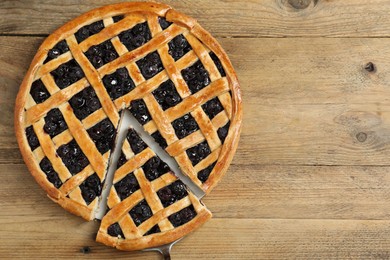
x: 148, y: 205
x: 175, y: 79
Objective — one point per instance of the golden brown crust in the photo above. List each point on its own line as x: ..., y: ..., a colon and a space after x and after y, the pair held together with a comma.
x: 202, y: 43
x: 157, y: 239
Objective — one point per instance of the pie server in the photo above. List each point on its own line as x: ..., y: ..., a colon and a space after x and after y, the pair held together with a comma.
x: 127, y: 121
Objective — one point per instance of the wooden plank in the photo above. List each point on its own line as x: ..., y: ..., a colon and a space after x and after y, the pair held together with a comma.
x: 247, y: 192
x: 267, y: 18
x: 299, y: 192
x: 48, y: 238
x: 34, y: 227
x: 287, y: 239
x: 306, y: 101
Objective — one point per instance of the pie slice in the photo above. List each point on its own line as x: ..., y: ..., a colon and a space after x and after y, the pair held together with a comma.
x: 148, y: 205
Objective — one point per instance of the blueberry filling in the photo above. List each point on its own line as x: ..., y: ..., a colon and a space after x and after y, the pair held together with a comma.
x: 178, y: 47
x: 88, y: 30
x: 51, y: 174
x: 196, y: 77
x: 115, y: 230
x: 212, y: 107
x: 101, y: 54
x: 72, y: 156
x: 140, y: 111
x: 103, y: 135
x: 140, y: 212
x: 118, y: 18
x: 136, y: 143
x: 172, y: 193
x: 164, y: 23
x: 39, y: 92
x: 183, y: 216
x: 150, y: 65
x: 223, y: 132
x: 91, y: 188
x: 122, y: 160
x: 54, y: 123
x: 67, y: 74
x: 155, y: 168
x: 166, y: 95
x: 184, y: 126
x: 218, y: 64
x: 85, y: 103
x: 159, y: 139
x: 155, y: 229
x: 58, y: 49
x: 136, y: 36
x: 204, y: 174
x: 127, y: 186
x: 32, y: 138
x: 118, y: 83
x: 198, y: 152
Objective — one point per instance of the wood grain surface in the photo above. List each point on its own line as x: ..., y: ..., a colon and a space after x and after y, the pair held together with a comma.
x: 311, y: 177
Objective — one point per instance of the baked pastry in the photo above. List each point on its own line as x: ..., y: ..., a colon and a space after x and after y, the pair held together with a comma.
x: 163, y: 66
x: 148, y: 205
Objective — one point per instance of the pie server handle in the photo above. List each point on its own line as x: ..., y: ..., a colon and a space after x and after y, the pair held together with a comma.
x: 165, y: 250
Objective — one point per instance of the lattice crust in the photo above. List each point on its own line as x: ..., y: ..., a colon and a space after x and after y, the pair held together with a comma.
x: 149, y: 206
x: 97, y: 65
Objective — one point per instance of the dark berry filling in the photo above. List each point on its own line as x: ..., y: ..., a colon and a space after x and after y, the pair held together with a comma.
x: 166, y: 95
x: 51, y: 174
x: 204, y: 174
x: 89, y: 30
x: 155, y: 229
x: 140, y: 111
x: 91, y: 188
x: 127, y: 186
x: 184, y: 126
x: 122, y: 160
x: 101, y: 54
x: 140, y: 212
x: 218, y: 64
x: 172, y: 193
x: 103, y: 135
x: 136, y: 143
x: 136, y: 36
x: 39, y: 92
x: 183, y: 216
x: 67, y: 74
x: 150, y: 65
x: 85, y: 103
x: 58, y: 49
x: 223, y: 132
x: 212, y: 107
x: 32, y: 138
x: 155, y: 168
x: 72, y: 156
x: 159, y: 139
x: 115, y: 230
x: 198, y: 152
x: 118, y: 83
x: 164, y: 23
x: 178, y: 47
x: 54, y: 122
x: 118, y: 18
x: 196, y: 77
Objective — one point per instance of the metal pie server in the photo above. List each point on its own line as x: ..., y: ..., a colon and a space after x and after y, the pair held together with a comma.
x: 129, y: 121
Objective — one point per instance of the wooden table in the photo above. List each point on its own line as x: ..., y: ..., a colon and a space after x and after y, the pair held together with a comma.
x: 311, y: 177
